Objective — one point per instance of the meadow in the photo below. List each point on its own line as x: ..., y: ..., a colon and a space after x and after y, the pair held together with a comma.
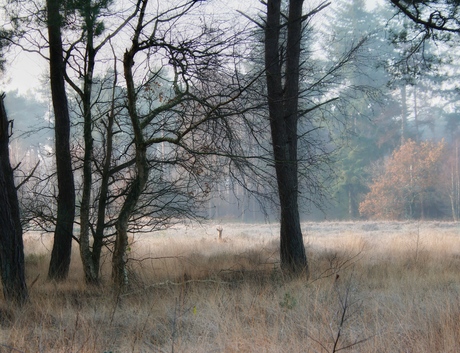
x: 374, y: 287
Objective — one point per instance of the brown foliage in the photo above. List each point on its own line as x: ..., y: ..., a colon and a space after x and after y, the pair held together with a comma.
x: 408, y: 180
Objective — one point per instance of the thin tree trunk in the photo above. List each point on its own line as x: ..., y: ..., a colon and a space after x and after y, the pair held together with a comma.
x: 90, y: 268
x: 417, y: 124
x: 105, y: 179
x: 11, y: 244
x: 403, y: 113
x: 422, y: 206
x: 62, y: 246
x: 452, y: 206
x: 351, y: 209
x: 104, y: 191
x: 283, y: 113
x: 119, y: 269
x: 457, y: 180
x: 91, y: 272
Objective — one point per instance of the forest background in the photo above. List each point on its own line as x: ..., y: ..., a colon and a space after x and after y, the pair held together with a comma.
x: 391, y: 144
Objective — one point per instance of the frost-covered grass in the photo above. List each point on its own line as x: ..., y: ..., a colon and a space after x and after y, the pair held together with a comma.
x: 374, y: 287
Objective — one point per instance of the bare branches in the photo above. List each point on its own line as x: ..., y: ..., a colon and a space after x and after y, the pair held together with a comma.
x: 27, y: 178
x: 436, y: 20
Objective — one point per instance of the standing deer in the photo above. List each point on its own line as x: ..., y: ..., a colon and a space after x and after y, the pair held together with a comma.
x: 219, y: 232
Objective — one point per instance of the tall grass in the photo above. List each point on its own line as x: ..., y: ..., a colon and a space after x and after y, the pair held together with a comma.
x: 375, y: 287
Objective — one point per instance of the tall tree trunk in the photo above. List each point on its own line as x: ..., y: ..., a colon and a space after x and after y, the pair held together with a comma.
x: 105, y: 181
x: 11, y: 244
x: 283, y: 115
x: 119, y: 269
x: 104, y: 190
x: 62, y: 246
x: 90, y: 268
x: 91, y: 272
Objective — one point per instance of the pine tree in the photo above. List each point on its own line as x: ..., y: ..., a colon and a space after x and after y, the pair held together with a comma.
x: 368, y: 122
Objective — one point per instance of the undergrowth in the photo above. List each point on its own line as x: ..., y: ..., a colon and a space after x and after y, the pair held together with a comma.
x: 370, y: 291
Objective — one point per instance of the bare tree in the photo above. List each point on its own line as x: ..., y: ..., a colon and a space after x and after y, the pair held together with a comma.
x: 180, y: 117
x: 84, y: 66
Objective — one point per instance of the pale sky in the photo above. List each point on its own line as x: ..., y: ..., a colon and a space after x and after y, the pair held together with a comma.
x: 26, y: 71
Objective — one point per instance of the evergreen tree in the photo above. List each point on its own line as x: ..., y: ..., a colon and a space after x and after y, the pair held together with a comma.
x: 367, y: 115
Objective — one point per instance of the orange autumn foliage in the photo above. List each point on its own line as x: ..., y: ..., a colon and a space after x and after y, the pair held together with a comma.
x: 407, y: 182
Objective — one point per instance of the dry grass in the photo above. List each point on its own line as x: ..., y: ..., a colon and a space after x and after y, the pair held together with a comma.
x: 375, y: 287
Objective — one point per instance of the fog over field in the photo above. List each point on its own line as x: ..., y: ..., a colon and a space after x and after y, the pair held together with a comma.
x: 363, y: 239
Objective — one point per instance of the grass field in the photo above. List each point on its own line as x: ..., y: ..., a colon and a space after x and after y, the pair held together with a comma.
x: 374, y: 287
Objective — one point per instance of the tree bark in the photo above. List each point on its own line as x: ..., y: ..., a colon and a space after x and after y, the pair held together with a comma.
x: 62, y: 246
x: 11, y: 243
x: 104, y: 190
x: 119, y: 269
x: 90, y: 267
x: 283, y: 115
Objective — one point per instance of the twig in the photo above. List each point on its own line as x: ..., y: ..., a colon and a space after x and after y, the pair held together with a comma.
x: 34, y: 281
